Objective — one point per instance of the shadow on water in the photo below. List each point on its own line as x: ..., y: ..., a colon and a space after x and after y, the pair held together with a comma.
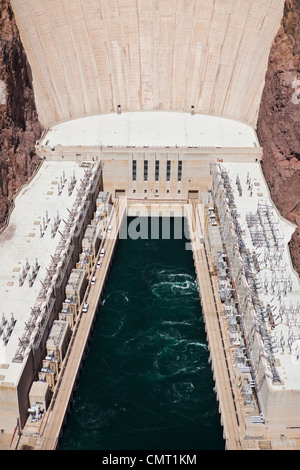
x: 147, y: 381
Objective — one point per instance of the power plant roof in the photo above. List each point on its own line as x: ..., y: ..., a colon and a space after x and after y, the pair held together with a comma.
x: 27, y: 248
x: 263, y: 236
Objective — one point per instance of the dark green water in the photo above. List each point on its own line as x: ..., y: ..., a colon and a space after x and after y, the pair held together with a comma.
x: 147, y: 382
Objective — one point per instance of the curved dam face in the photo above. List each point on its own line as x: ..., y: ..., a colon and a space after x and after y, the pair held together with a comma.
x: 96, y: 57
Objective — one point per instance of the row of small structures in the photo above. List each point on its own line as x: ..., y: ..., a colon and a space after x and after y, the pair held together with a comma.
x: 260, y: 295
x: 62, y: 327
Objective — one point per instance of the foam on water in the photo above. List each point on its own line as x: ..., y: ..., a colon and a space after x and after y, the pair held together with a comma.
x: 167, y: 284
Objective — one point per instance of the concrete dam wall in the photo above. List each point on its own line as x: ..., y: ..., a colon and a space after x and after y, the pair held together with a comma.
x: 91, y: 57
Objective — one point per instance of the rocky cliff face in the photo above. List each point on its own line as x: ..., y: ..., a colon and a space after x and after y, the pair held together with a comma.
x: 19, y: 125
x: 279, y: 122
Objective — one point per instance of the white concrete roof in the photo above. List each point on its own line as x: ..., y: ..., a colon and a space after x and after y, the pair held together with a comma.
x: 158, y: 129
x: 21, y: 241
x: 274, y: 275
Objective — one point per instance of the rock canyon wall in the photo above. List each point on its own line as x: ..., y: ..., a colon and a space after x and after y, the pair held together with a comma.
x: 278, y: 124
x: 19, y: 125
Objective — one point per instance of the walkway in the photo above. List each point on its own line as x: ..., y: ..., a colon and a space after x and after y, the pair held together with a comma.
x: 213, y: 330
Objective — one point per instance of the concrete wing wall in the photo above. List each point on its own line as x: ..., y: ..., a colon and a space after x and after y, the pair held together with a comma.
x: 88, y: 57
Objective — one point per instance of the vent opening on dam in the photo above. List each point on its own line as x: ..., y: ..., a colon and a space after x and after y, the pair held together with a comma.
x: 147, y: 382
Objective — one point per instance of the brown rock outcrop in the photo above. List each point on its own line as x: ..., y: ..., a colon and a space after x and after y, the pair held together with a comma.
x: 279, y: 122
x: 19, y: 125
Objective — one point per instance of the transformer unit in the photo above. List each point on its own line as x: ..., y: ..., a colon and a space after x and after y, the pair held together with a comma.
x: 58, y: 340
x: 47, y: 375
x: 51, y: 362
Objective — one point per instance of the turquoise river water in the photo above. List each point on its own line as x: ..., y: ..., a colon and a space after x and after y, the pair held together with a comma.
x: 147, y: 380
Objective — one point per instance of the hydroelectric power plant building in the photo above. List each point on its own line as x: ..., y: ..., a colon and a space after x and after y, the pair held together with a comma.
x: 149, y: 107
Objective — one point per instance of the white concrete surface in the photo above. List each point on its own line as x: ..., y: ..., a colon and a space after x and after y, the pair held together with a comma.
x: 153, y: 128
x: 279, y: 283
x: 147, y: 55
x: 21, y: 241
